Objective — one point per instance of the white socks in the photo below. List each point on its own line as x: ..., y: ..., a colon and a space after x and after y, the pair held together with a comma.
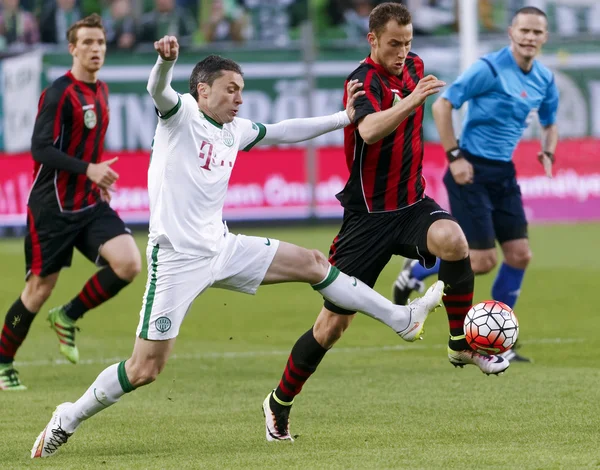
x: 351, y: 294
x: 109, y: 386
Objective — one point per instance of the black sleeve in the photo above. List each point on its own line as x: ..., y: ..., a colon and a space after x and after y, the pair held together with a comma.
x: 42, y: 141
x: 370, y: 102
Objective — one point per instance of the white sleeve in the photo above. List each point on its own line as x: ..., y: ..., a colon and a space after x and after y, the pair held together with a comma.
x: 252, y: 133
x: 159, y: 86
x: 297, y: 130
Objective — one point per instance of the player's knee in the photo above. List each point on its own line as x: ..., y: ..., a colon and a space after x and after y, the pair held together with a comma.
x: 519, y: 258
x: 319, y: 258
x: 483, y: 264
x: 317, y: 265
x: 453, y: 244
x: 129, y: 267
x: 525, y: 258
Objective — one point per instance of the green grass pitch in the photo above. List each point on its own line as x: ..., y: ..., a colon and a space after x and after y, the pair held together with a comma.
x: 376, y: 402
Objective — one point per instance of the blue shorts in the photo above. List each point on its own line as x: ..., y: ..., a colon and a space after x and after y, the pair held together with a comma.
x: 491, y: 208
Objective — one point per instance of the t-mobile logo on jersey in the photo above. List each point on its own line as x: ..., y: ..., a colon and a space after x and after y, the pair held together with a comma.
x: 206, y: 155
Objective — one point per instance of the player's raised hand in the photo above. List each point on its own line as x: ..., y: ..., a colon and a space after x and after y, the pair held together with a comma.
x: 167, y: 47
x: 354, y: 91
x: 426, y: 87
x: 547, y: 161
x: 102, y: 174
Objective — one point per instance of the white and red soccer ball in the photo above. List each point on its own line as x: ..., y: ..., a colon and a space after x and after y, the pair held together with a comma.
x: 491, y: 327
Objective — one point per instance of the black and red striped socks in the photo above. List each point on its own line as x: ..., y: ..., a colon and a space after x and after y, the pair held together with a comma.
x: 460, y: 283
x: 304, y: 359
x: 102, y: 286
x: 16, y: 326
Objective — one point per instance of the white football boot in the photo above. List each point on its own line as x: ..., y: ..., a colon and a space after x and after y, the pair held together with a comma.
x: 495, y: 365
x: 53, y: 436
x: 420, y: 308
x: 277, y: 424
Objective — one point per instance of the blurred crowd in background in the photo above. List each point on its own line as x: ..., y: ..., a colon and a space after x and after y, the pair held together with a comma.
x: 130, y: 23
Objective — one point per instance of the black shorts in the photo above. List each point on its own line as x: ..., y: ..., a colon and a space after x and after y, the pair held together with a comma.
x: 491, y: 207
x: 52, y: 235
x: 366, y: 242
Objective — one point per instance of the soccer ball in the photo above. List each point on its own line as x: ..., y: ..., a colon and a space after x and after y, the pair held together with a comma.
x: 491, y: 327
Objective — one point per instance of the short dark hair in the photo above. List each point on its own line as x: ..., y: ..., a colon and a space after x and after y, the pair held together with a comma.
x: 209, y: 69
x: 530, y: 11
x: 92, y: 21
x: 384, y: 12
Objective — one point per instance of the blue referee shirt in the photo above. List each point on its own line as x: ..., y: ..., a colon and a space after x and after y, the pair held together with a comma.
x: 501, y: 97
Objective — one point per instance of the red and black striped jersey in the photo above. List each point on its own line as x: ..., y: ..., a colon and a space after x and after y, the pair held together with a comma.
x: 387, y: 175
x: 68, y: 135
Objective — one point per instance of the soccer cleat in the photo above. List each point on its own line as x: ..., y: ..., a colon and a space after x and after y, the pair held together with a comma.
x: 513, y: 356
x: 489, y: 365
x: 420, y: 308
x: 405, y: 283
x: 53, y: 436
x: 277, y: 422
x: 65, y: 330
x: 9, y: 380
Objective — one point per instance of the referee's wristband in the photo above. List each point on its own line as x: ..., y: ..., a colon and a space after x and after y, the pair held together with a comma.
x: 454, y: 154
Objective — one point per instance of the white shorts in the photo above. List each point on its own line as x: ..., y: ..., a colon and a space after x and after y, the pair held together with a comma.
x: 176, y: 279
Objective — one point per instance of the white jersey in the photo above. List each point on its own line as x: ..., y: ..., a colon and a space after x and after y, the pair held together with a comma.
x: 191, y: 163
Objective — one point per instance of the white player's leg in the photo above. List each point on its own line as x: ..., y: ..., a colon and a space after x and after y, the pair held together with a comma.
x: 293, y: 263
x: 147, y: 361
x: 171, y: 288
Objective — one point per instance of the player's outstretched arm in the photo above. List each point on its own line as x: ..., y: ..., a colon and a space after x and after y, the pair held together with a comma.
x: 298, y: 130
x: 376, y: 126
x: 159, y: 83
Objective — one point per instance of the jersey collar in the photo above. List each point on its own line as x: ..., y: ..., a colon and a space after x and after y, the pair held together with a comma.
x: 71, y: 77
x: 382, y: 70
x: 211, y: 120
x: 514, y: 62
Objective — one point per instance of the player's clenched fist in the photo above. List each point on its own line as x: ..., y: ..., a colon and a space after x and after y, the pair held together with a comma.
x: 167, y: 47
